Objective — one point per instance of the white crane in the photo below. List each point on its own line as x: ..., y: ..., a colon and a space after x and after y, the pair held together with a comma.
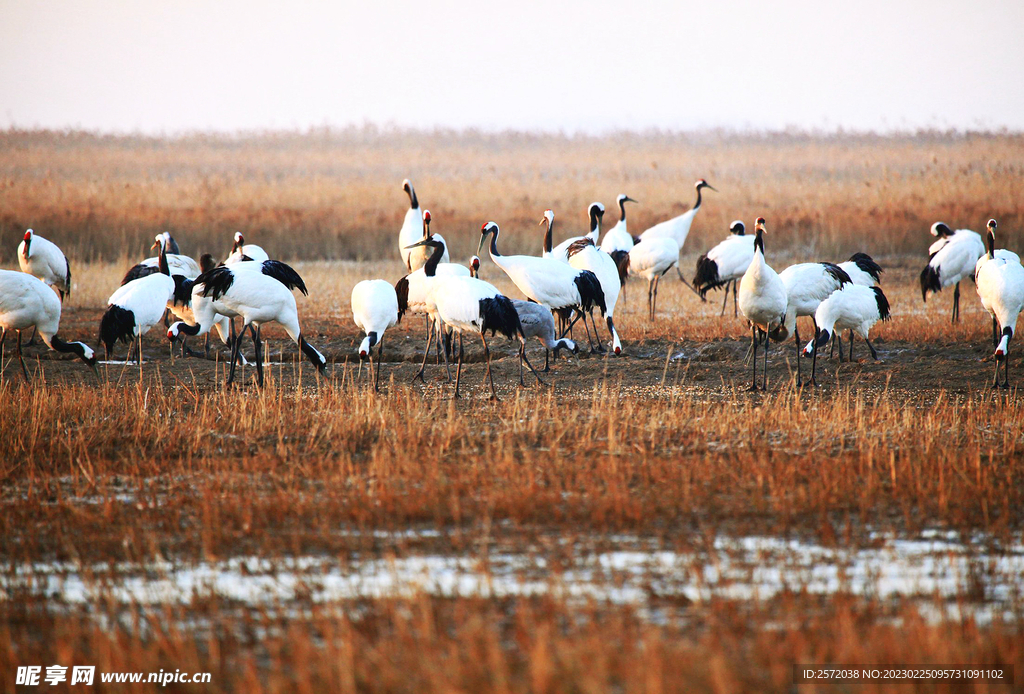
x: 553, y: 283
x: 415, y: 292
x: 1000, y: 253
x: 950, y: 259
x: 853, y: 307
x: 26, y: 302
x: 1001, y: 287
x: 762, y: 300
x: 374, y: 310
x: 584, y: 255
x: 650, y: 259
x: 242, y: 251
x: 136, y: 307
x: 537, y: 321
x: 863, y: 271
x: 43, y: 259
x: 725, y: 264
x: 561, y: 251
x: 618, y: 242
x: 807, y: 285
x: 177, y: 263
x: 467, y: 304
x: 259, y: 296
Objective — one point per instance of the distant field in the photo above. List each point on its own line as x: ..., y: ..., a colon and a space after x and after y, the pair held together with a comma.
x: 337, y: 194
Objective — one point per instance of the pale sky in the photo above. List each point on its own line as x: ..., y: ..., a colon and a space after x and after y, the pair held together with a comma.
x: 183, y: 65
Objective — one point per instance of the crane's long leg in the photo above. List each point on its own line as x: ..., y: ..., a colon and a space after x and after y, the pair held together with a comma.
x: 449, y: 351
x: 735, y: 302
x: 654, y: 305
x: 1006, y: 364
x: 458, y: 371
x: 236, y: 347
x: 767, y: 342
x: 24, y: 371
x: 380, y: 356
x: 725, y: 300
x: 814, y: 356
x: 874, y: 354
x: 650, y: 299
x: 600, y: 347
x: 32, y: 340
x: 995, y: 333
x: 851, y: 347
x: 995, y: 380
x: 796, y: 336
x: 426, y: 353
x: 956, y: 303
x: 490, y: 378
x: 753, y: 362
x: 547, y: 353
x: 254, y: 332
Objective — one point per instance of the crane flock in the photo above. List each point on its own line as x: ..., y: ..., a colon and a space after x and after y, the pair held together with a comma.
x: 569, y: 280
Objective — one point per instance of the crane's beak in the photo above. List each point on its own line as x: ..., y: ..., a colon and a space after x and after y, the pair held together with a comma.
x: 708, y: 185
x: 418, y: 243
x: 629, y: 199
x: 480, y: 247
x: 156, y: 245
x: 542, y: 221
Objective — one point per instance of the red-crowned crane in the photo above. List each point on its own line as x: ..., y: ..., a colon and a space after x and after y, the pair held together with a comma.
x: 1001, y: 287
x: 374, y: 310
x: 999, y: 253
x: 43, y: 259
x: 466, y: 304
x: 853, y: 307
x: 551, y: 282
x: 807, y: 285
x: 414, y: 291
x: 725, y: 264
x: 26, y: 302
x: 950, y: 259
x: 762, y: 299
x: 136, y: 307
x: 259, y: 293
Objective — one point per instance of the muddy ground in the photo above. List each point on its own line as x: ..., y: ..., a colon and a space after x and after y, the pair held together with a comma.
x: 720, y: 365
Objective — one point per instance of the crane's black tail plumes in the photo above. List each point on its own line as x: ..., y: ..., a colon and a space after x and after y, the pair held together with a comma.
x: 137, y: 272
x: 591, y: 294
x: 216, y: 282
x: 402, y: 292
x: 621, y: 259
x: 706, y: 277
x: 883, y: 303
x: 867, y: 264
x: 283, y: 273
x: 930, y: 281
x: 839, y: 274
x: 117, y: 324
x: 498, y: 314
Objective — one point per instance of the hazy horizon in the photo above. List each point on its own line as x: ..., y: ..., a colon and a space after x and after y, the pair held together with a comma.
x: 171, y: 69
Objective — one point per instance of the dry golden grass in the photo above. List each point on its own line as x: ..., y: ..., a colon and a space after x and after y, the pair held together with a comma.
x: 337, y: 194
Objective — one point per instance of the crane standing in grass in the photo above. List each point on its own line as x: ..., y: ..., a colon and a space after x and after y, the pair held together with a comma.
x: 763, y: 301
